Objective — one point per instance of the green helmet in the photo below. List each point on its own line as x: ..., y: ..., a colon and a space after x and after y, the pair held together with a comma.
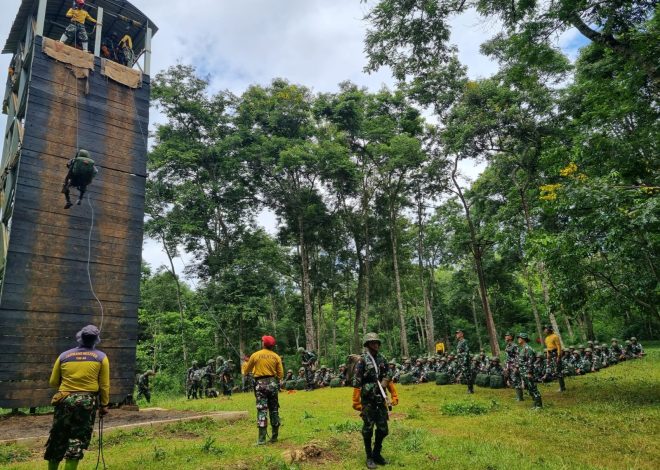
x: 289, y: 371
x: 603, y: 345
x: 580, y: 346
x: 324, y: 367
x: 628, y: 341
x: 523, y: 336
x: 301, y: 349
x: 508, y: 333
x: 369, y: 337
x: 219, y: 358
x: 342, y: 365
x: 633, y: 339
x: 494, y: 359
x: 210, y: 361
x: 587, y: 350
x: 194, y: 363
x: 571, y: 347
x: 302, y: 369
x: 82, y: 153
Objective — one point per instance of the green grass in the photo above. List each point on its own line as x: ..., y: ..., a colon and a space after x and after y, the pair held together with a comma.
x: 606, y: 420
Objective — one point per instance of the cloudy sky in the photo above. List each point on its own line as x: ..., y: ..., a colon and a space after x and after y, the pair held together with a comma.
x: 317, y: 43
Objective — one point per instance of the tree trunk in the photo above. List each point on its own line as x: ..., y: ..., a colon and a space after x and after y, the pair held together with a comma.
x: 589, y: 326
x: 478, y: 255
x: 306, y: 288
x: 357, y: 322
x: 476, y: 323
x: 569, y: 328
x: 367, y: 277
x: 532, y: 300
x: 334, y: 332
x: 430, y: 328
x: 397, y: 282
x: 241, y: 338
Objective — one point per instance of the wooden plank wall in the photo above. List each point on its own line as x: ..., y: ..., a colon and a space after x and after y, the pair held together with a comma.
x: 46, y: 297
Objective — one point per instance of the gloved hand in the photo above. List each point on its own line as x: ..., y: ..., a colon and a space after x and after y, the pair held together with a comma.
x: 393, y: 394
x: 103, y: 411
x: 357, y: 405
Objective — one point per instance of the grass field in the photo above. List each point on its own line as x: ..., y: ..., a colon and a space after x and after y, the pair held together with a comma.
x: 610, y: 419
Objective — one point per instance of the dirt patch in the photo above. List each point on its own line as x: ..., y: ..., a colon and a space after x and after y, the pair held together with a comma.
x: 309, y: 452
x: 29, y: 426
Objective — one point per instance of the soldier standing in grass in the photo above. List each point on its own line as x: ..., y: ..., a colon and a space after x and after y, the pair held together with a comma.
x: 370, y: 398
x: 464, y: 360
x: 308, y: 359
x: 553, y: 355
x: 511, y: 351
x: 267, y: 368
x: 143, y: 386
x: 526, y: 357
x: 82, y: 378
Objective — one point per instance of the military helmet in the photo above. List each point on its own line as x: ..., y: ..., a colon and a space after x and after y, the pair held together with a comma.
x: 603, y: 345
x: 342, y: 365
x: 324, y: 367
x: 289, y: 371
x: 588, y: 350
x: 370, y: 337
x: 219, y: 358
x: 494, y: 359
x: 628, y: 341
x: 580, y: 346
x: 508, y: 333
x: 210, y: 361
x: 392, y: 362
x: 597, y: 346
x: 633, y: 339
x: 590, y: 342
x: 301, y: 369
x: 301, y: 349
x: 576, y: 352
x: 230, y: 360
x: 82, y: 153
x: 571, y: 347
x: 194, y: 363
x: 614, y: 340
x: 523, y: 336
x: 407, y: 361
x: 459, y: 330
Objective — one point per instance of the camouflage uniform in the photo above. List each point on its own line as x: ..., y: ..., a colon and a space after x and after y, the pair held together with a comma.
x: 465, y: 371
x: 143, y: 386
x: 637, y: 349
x: 192, y: 381
x: 374, y: 410
x: 526, y: 356
x: 266, y: 393
x: 227, y: 378
x: 73, y: 424
x: 308, y: 360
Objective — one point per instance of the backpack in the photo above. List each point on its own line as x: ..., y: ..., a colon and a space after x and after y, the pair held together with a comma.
x: 83, y: 170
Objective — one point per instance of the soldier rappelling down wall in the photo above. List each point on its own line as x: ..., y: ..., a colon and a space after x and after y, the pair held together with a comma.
x: 80, y: 175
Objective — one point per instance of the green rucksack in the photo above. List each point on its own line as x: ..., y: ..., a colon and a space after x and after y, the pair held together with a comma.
x: 496, y: 381
x: 83, y: 169
x: 442, y: 378
x: 406, y: 379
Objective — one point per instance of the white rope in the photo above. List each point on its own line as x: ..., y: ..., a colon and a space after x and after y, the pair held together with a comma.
x: 89, y: 256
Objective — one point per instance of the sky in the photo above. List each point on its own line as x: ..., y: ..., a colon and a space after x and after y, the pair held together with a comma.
x: 316, y: 43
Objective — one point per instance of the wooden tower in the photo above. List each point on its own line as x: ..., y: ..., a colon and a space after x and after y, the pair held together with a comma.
x: 56, y: 262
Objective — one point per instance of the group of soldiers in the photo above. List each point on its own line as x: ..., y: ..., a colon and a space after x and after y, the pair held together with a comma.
x: 210, y: 380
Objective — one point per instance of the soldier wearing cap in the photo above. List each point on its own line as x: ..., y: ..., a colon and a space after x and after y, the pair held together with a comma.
x: 267, y: 368
x: 370, y: 398
x: 82, y: 377
x: 526, y: 357
x: 637, y: 349
x: 464, y: 361
x: 553, y: 356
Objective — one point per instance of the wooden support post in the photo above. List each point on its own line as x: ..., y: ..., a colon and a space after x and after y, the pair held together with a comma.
x: 41, y: 17
x: 99, y: 32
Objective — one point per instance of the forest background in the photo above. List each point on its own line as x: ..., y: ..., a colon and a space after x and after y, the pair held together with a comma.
x: 378, y: 230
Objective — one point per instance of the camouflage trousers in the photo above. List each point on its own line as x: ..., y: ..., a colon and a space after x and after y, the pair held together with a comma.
x: 511, y: 375
x: 194, y: 389
x: 309, y: 377
x: 374, y: 414
x: 73, y: 424
x: 144, y: 392
x: 265, y: 392
x: 556, y: 364
x: 529, y: 384
x: 76, y: 31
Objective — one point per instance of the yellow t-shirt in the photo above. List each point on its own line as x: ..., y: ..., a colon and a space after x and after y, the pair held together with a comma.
x: 79, y: 15
x: 82, y: 370
x: 552, y: 342
x: 265, y: 363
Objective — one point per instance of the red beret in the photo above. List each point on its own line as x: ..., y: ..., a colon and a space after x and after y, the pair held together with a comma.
x: 269, y: 341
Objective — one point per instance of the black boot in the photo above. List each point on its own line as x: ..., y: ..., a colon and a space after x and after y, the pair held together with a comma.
x: 275, y: 432
x: 519, y: 394
x: 262, y: 436
x: 378, y: 446
x: 470, y: 389
x: 562, y: 385
x: 367, y: 448
x: 538, y: 404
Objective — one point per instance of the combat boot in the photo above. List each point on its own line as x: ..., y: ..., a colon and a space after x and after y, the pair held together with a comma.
x: 367, y: 448
x: 262, y: 436
x: 519, y: 394
x: 275, y: 431
x: 470, y: 389
x: 538, y: 404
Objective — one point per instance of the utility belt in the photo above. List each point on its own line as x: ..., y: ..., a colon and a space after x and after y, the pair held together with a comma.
x: 60, y: 396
